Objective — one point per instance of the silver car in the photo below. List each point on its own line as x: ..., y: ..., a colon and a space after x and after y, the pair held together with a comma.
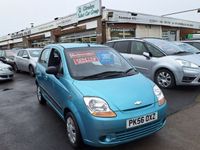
x: 6, y: 72
x: 187, y: 47
x: 162, y: 61
x: 26, y: 59
x: 195, y: 43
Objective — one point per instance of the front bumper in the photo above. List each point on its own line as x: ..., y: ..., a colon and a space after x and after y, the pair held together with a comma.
x: 189, y: 77
x: 6, y: 75
x: 103, y: 132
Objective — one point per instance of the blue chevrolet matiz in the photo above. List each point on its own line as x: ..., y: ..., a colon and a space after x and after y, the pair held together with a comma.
x: 103, y: 100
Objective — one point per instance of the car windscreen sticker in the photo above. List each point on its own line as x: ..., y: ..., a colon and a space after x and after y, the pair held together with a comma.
x: 83, y: 57
x: 105, y: 58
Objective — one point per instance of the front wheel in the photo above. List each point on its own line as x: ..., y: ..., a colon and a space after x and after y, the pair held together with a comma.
x: 31, y: 71
x: 39, y: 96
x: 16, y: 68
x: 165, y: 78
x: 73, y: 132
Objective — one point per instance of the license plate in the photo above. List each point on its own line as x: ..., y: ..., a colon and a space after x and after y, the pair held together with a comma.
x: 131, y: 123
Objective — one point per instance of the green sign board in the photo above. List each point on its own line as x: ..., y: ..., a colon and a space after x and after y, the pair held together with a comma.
x: 190, y: 36
x: 89, y: 10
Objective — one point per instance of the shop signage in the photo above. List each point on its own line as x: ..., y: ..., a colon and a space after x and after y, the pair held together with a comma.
x: 89, y: 10
x: 127, y: 17
x: 20, y: 34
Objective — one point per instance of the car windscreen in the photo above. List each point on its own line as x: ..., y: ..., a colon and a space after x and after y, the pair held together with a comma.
x: 97, y: 63
x: 187, y: 47
x: 169, y: 48
x: 34, y: 53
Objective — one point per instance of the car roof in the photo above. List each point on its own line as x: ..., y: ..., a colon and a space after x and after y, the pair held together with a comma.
x: 76, y: 45
x: 188, y: 41
x: 142, y: 39
x: 131, y: 39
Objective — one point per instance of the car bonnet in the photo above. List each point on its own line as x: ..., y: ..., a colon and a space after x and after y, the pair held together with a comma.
x: 120, y: 93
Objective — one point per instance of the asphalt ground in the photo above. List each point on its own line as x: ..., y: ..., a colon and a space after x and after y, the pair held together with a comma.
x: 26, y: 125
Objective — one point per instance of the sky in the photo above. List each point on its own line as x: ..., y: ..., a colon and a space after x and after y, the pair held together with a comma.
x: 16, y: 15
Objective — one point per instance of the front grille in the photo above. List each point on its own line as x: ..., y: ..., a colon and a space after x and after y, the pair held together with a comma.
x: 3, y: 76
x: 6, y: 76
x: 138, y: 132
x: 138, y: 107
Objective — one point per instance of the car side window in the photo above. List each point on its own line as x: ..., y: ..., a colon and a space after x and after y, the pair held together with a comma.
x: 154, y: 52
x: 138, y: 48
x: 44, y: 58
x: 110, y: 44
x: 20, y: 53
x: 25, y: 54
x: 56, y: 60
x: 197, y: 45
x: 122, y: 46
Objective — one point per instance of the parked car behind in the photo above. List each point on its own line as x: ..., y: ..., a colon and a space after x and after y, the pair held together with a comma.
x: 195, y: 43
x: 162, y: 61
x: 98, y: 94
x: 26, y: 59
x: 6, y: 72
x: 187, y: 47
x: 7, y: 56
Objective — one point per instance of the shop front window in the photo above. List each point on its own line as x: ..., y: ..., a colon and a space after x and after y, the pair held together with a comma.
x: 41, y: 42
x: 122, y: 33
x: 169, y: 35
x: 82, y: 37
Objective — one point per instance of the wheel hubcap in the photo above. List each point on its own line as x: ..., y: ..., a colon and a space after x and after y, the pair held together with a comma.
x: 39, y: 94
x: 71, y: 130
x: 164, y: 79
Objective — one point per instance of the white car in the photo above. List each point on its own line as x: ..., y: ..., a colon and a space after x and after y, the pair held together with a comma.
x: 6, y: 72
x: 26, y: 59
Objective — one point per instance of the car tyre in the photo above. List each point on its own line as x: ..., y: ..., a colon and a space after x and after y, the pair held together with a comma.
x: 73, y: 131
x: 164, y: 78
x: 40, y: 98
x: 16, y: 68
x: 31, y: 71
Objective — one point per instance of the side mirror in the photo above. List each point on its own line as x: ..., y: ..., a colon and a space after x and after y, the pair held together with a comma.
x: 2, y: 58
x: 52, y: 70
x: 26, y: 57
x: 147, y: 55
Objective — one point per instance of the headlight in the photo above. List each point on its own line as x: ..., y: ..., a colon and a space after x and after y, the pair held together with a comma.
x: 159, y: 94
x: 98, y: 107
x: 187, y: 64
x: 2, y: 69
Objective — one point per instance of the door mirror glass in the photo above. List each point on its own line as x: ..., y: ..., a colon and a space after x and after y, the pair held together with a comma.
x: 2, y: 58
x: 52, y: 70
x: 146, y: 54
x: 26, y: 56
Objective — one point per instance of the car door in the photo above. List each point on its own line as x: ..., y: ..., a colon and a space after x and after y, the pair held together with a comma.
x: 41, y: 67
x: 18, y: 59
x: 57, y: 83
x: 143, y: 64
x: 25, y: 61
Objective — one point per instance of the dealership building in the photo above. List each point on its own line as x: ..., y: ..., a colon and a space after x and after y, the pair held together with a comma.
x: 93, y: 23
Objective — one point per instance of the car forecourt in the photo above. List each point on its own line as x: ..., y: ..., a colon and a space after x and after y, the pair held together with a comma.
x: 94, y: 96
x: 93, y: 23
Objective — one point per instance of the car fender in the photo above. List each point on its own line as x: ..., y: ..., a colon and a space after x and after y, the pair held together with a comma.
x: 169, y: 64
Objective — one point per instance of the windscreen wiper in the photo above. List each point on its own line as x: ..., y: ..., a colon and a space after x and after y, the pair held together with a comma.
x: 103, y: 75
x: 130, y: 70
x: 181, y: 52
